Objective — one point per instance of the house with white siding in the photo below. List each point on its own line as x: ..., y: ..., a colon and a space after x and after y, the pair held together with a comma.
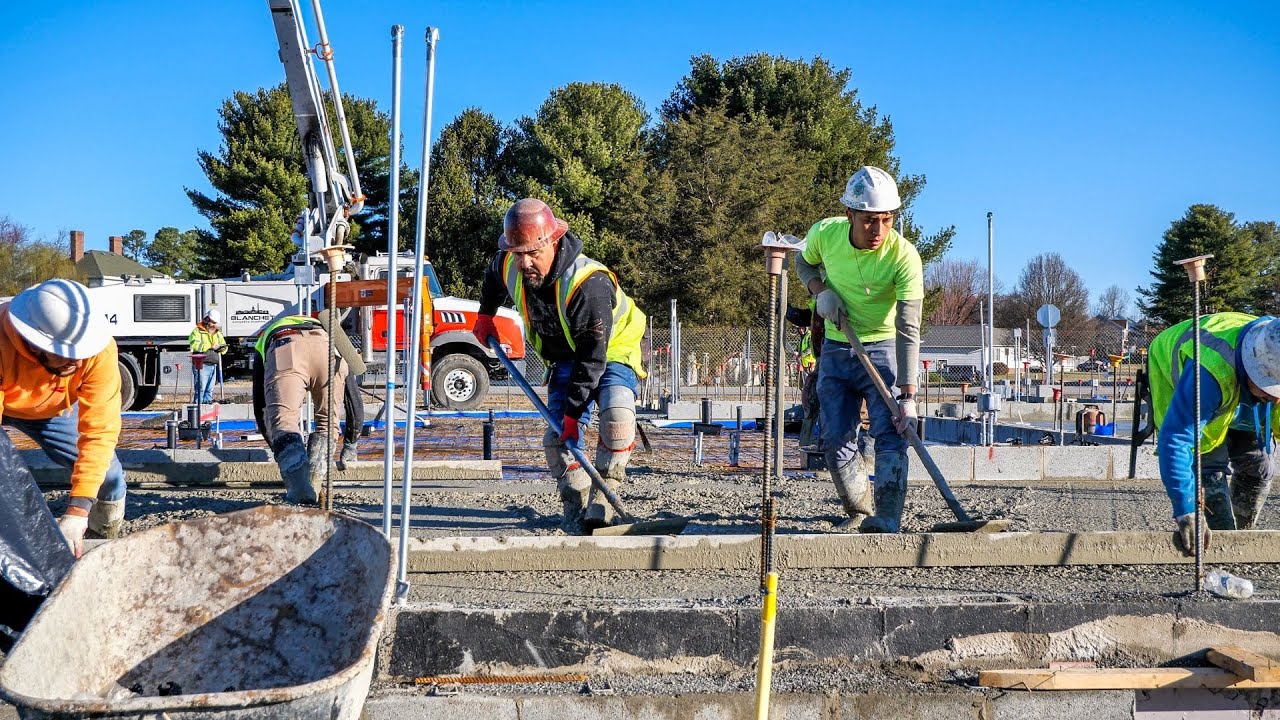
x: 951, y: 349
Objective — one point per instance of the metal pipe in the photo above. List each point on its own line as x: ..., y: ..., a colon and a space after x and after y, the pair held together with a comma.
x: 414, y: 363
x: 991, y: 325
x: 675, y: 354
x: 488, y: 437
x: 393, y: 252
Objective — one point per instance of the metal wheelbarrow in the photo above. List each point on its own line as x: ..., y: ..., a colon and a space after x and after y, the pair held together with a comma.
x: 270, y: 612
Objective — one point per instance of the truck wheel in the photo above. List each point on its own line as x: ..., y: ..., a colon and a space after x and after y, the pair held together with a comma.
x: 458, y: 382
x: 128, y: 386
x: 144, y: 397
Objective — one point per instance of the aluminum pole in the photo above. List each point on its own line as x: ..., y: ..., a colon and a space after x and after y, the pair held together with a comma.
x: 393, y: 252
x: 413, y: 363
x: 1195, y: 344
x: 991, y: 324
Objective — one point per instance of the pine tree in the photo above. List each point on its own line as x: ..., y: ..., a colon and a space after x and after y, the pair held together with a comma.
x: 1231, y: 274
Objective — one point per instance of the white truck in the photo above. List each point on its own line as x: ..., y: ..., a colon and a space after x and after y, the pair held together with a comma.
x: 152, y: 319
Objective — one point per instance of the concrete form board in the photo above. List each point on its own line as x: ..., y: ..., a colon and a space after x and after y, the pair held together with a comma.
x: 1253, y: 615
x: 1093, y: 705
x: 1063, y: 616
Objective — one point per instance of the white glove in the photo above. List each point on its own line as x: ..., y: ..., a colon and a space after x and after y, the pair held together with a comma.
x: 73, y: 528
x: 906, y: 414
x: 829, y: 305
x: 1186, y: 534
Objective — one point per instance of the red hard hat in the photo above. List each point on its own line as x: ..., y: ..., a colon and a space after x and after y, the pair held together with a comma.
x: 529, y: 225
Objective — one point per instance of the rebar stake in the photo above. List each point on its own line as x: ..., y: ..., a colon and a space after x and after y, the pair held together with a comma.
x: 1194, y: 266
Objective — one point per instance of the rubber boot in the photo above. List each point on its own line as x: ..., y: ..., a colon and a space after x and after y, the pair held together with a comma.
x: 1218, y: 512
x: 1248, y: 495
x: 349, y: 454
x: 106, y: 518
x: 890, y: 494
x: 854, y: 488
x: 574, y: 487
x: 599, y: 511
x: 295, y: 469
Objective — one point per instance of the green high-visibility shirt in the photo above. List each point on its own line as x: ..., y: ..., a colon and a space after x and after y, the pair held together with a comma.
x: 870, y: 282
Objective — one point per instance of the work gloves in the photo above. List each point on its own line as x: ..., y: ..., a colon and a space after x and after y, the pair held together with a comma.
x: 1185, y: 537
x: 906, y: 414
x: 73, y: 528
x: 830, y: 306
x: 569, y: 432
x: 484, y: 329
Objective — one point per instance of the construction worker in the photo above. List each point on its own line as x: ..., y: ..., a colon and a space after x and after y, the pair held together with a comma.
x: 807, y: 360
x: 60, y: 386
x: 580, y: 322
x: 207, y: 340
x: 1239, y: 388
x: 861, y: 271
x: 293, y: 360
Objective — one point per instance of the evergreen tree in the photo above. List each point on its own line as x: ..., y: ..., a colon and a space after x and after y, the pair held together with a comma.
x: 135, y: 244
x: 261, y: 186
x: 174, y: 253
x: 1231, y: 275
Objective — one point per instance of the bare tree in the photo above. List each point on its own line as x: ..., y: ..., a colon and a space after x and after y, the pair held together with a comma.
x: 960, y: 285
x: 1113, y: 303
x: 1046, y: 279
x: 26, y: 260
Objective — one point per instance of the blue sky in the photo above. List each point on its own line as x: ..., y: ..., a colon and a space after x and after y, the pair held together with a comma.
x: 1087, y: 127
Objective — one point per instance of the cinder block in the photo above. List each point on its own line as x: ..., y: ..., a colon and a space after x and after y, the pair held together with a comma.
x: 418, y: 707
x: 1094, y: 705
x: 956, y: 464
x: 561, y: 707
x: 1007, y: 463
x: 1148, y: 465
x: 1173, y: 704
x: 1077, y: 462
x: 877, y: 706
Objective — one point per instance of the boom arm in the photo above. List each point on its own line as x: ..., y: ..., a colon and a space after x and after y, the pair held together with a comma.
x: 334, y: 197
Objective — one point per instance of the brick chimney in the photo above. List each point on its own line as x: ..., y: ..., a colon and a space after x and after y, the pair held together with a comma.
x: 115, y: 244
x: 77, y: 245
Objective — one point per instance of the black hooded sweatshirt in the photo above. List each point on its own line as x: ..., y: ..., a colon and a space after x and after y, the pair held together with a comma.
x: 590, y: 318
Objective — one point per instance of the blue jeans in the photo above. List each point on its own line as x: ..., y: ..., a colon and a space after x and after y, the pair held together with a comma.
x: 843, y: 384
x: 202, y: 383
x: 615, y: 373
x: 57, y: 437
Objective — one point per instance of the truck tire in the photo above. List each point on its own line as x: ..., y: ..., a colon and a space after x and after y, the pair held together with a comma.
x: 458, y: 382
x: 144, y: 397
x: 128, y: 386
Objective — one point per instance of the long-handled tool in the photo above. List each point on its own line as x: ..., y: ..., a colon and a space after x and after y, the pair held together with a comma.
x: 629, y: 525
x: 965, y: 522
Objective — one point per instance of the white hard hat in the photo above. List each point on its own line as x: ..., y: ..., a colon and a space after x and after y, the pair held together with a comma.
x: 871, y: 189
x: 1261, y: 351
x: 55, y: 316
x: 213, y: 315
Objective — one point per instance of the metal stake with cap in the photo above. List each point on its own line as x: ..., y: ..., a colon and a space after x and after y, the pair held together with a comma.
x: 1194, y: 266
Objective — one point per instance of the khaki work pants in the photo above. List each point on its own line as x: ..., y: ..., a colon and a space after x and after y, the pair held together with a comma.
x: 298, y: 364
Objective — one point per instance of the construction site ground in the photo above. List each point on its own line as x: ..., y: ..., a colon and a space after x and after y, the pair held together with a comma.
x: 852, y: 640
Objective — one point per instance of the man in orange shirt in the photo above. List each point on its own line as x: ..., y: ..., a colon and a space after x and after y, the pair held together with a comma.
x: 60, y: 385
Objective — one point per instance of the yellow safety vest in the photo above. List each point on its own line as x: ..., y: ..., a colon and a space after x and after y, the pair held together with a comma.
x: 1219, y: 340
x: 287, y: 320
x: 628, y: 320
x: 201, y: 340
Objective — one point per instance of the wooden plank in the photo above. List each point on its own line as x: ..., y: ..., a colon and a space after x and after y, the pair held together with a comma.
x: 1118, y: 679
x: 1246, y: 664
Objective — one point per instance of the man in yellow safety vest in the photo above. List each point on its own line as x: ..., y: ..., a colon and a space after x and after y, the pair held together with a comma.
x: 1239, y: 418
x: 588, y: 330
